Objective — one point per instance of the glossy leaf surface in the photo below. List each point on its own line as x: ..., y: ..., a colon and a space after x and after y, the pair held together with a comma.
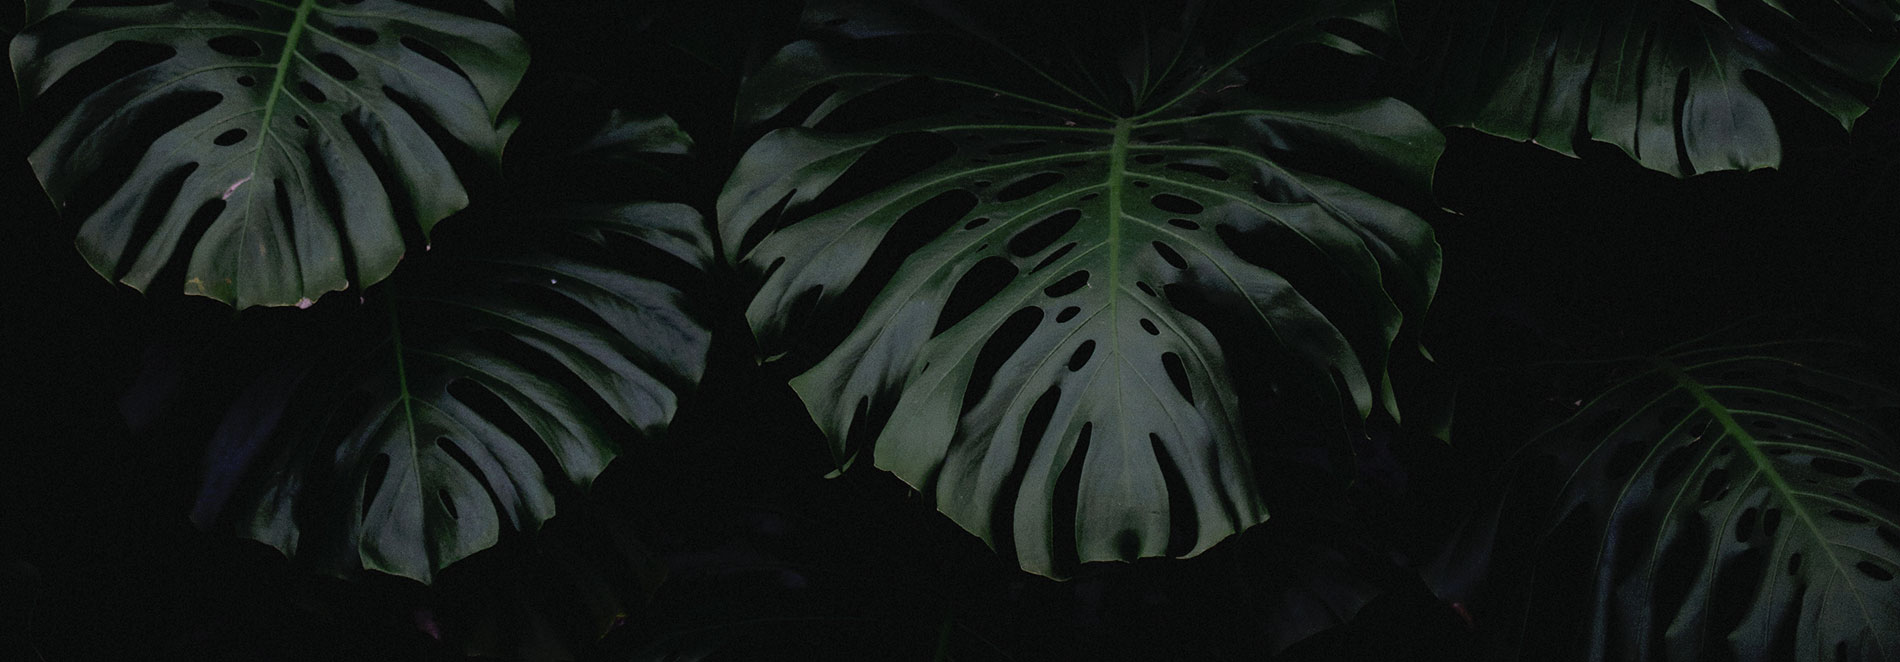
x: 1065, y: 264
x: 281, y: 149
x: 1675, y: 84
x: 1741, y: 501
x: 485, y: 395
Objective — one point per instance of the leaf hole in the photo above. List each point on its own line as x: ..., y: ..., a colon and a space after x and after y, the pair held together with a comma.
x: 1184, y: 224
x: 1175, y: 204
x: 1715, y: 484
x: 1027, y: 186
x: 1874, y: 570
x: 1016, y: 147
x: 356, y: 35
x: 246, y: 81
x: 1149, y: 159
x: 1045, y: 232
x: 977, y: 222
x: 1167, y: 253
x: 1745, y: 525
x: 1081, y: 356
x: 1140, y: 183
x: 1794, y: 563
x: 1067, y: 314
x: 235, y: 46
x: 1146, y: 289
x: 1848, y: 516
x: 336, y: 66
x: 1066, y: 498
x: 1068, y: 285
x: 1002, y: 344
x: 1207, y: 171
x: 448, y: 502
x: 1177, y: 373
x: 1053, y: 256
x: 433, y: 54
x: 1883, y: 493
x: 1149, y: 326
x: 978, y: 286
x: 311, y: 92
x: 229, y: 10
x: 301, y: 122
x: 229, y: 138
x: 1831, y: 466
x: 1771, y: 521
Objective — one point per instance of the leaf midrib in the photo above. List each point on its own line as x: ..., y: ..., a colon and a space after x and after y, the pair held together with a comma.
x: 1765, y: 467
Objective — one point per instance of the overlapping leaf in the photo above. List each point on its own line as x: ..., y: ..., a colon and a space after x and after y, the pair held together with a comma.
x: 306, y: 135
x: 1743, y: 502
x: 484, y: 395
x: 1084, y: 253
x: 1673, y: 83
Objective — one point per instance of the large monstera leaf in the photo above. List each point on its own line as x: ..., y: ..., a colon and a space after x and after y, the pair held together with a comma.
x: 483, y: 396
x: 283, y: 147
x: 1085, y: 277
x: 1673, y: 83
x: 1741, y: 501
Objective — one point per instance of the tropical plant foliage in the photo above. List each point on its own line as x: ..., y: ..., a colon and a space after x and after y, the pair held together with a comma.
x: 1676, y: 85
x: 285, y: 149
x: 1098, y: 282
x: 1065, y: 275
x: 1738, y: 500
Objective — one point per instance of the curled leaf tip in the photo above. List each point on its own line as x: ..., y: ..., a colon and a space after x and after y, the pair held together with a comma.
x: 304, y: 302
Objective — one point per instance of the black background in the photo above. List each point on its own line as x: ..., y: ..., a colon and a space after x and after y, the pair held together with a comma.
x: 1546, y: 257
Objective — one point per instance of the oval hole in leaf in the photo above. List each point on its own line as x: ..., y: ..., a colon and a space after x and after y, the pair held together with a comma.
x: 1874, y: 570
x: 1053, y: 256
x: 356, y: 35
x: 1081, y: 356
x: 1831, y: 466
x: 1028, y: 186
x: 1884, y: 493
x: 1008, y: 338
x: 230, y: 10
x: 1207, y: 171
x: 1175, y: 204
x: 981, y: 283
x: 1177, y: 373
x: 235, y: 46
x: 336, y: 66
x: 1184, y: 224
x: 1067, y: 314
x: 230, y: 138
x: 311, y: 92
x: 1174, y: 259
x: 1068, y: 285
x: 435, y: 55
x: 1045, y: 232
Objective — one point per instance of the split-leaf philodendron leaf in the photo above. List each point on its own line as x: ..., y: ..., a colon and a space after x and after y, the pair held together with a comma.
x: 1083, y: 252
x: 1742, y: 501
x: 484, y: 393
x: 1671, y: 82
x: 281, y: 147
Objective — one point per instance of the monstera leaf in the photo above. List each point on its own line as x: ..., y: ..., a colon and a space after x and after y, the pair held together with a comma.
x: 480, y: 400
x: 1741, y: 501
x: 1673, y: 83
x: 285, y: 147
x: 1066, y: 279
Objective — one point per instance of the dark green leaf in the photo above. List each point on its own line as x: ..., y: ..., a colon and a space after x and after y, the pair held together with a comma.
x: 1741, y: 501
x: 1672, y: 83
x: 409, y: 455
x: 307, y: 132
x: 1054, y: 361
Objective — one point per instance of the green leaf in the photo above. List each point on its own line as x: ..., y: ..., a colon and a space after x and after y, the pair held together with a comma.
x: 1741, y: 501
x: 482, y: 396
x: 1672, y: 83
x: 310, y: 134
x: 1056, y: 360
